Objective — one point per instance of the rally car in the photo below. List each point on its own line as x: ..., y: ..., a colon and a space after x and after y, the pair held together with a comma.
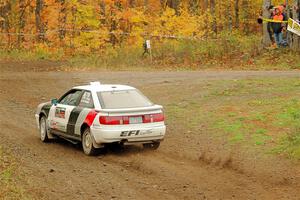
x: 99, y: 114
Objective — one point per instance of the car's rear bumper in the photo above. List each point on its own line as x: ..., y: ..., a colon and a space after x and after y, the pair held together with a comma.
x: 130, y: 134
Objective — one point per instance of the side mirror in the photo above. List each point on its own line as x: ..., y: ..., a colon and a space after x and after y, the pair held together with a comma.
x: 54, y: 101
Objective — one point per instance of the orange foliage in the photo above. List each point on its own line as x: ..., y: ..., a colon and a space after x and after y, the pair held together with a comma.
x: 88, y: 25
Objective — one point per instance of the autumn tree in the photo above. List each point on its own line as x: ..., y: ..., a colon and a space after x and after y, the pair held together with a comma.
x: 87, y: 25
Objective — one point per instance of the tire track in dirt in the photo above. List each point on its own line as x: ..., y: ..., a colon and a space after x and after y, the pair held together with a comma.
x: 154, y: 174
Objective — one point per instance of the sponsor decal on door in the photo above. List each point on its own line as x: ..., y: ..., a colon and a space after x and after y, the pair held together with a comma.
x: 60, y: 112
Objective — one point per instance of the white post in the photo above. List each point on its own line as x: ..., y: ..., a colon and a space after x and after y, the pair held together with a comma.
x: 148, y: 46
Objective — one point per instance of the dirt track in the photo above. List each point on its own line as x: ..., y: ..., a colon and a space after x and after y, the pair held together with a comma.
x: 59, y: 170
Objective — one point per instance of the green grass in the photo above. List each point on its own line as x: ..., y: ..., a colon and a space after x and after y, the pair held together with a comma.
x: 10, y: 181
x: 262, y: 114
x: 289, y: 118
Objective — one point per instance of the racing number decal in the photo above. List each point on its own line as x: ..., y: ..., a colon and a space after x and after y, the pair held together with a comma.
x: 129, y: 133
x: 60, y: 112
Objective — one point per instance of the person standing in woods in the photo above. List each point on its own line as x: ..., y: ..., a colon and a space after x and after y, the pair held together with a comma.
x: 277, y: 26
x: 284, y: 12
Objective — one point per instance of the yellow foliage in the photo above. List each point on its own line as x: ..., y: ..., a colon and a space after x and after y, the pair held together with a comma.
x: 94, y: 25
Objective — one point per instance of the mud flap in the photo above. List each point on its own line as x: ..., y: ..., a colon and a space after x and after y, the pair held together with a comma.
x: 50, y: 135
x: 97, y: 146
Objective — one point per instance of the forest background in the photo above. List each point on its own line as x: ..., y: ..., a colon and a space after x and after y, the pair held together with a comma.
x: 184, y: 34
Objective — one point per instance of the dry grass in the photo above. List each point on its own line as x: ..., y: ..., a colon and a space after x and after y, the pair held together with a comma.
x: 229, y: 51
x: 10, y: 180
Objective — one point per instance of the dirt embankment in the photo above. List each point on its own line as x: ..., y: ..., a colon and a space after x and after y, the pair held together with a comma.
x: 59, y: 170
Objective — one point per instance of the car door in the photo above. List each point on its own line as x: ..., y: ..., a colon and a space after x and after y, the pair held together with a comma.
x: 79, y: 114
x: 60, y: 113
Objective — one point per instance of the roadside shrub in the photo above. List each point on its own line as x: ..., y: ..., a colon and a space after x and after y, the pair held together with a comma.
x: 228, y: 50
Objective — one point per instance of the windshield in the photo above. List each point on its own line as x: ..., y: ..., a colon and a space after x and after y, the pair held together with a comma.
x: 123, y: 99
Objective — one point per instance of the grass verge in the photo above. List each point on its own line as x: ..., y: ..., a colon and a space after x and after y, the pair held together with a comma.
x: 262, y: 114
x: 228, y: 51
x: 10, y: 184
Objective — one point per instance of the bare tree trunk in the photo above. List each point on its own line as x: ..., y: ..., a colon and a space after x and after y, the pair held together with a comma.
x: 237, y: 14
x: 5, y: 9
x: 146, y: 5
x: 102, y: 12
x: 62, y: 20
x: 132, y: 3
x: 73, y: 22
x: 246, y: 16
x: 163, y: 4
x: 229, y: 16
x: 38, y: 21
x: 205, y: 8
x: 113, y: 27
x: 174, y: 4
x: 22, y: 23
x: 205, y: 5
x: 213, y: 14
x: 266, y: 14
x: 295, y: 44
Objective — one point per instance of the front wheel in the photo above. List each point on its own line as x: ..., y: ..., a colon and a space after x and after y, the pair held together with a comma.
x: 43, y: 129
x: 87, y: 143
x: 153, y: 145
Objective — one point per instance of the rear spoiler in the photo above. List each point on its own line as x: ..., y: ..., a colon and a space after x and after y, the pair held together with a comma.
x: 125, y: 110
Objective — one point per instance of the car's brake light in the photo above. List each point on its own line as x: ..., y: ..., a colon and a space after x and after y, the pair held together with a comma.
x: 147, y: 119
x: 120, y: 120
x: 158, y: 117
x: 110, y: 120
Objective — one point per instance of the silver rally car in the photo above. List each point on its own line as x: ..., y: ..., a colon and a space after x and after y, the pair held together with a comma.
x: 99, y: 114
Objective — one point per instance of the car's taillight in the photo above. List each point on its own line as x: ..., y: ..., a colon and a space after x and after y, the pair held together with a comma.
x: 120, y: 120
x: 110, y: 120
x: 158, y: 117
x: 147, y: 119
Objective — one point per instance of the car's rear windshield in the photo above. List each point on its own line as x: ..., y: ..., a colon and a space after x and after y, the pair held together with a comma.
x: 123, y: 99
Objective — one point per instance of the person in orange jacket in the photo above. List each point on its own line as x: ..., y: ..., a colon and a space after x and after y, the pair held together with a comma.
x: 277, y: 26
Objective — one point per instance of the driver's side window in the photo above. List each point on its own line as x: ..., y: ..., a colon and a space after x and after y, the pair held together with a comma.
x: 71, y: 98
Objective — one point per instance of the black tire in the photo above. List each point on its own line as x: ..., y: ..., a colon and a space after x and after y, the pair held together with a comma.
x: 87, y: 143
x: 43, y: 129
x: 153, y: 146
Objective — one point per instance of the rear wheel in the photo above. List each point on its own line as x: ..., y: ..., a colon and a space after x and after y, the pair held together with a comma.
x: 43, y: 129
x: 87, y: 143
x: 153, y: 145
